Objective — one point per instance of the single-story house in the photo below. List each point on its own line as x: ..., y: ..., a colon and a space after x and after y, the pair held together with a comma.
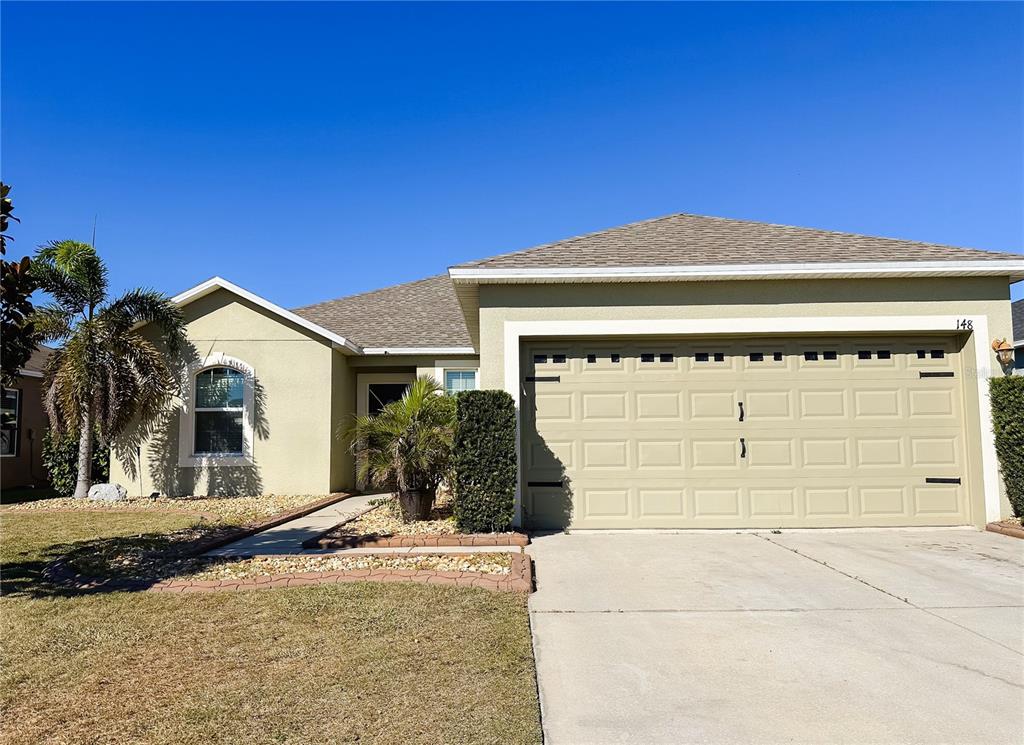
x: 684, y: 371
x: 1017, y: 312
x: 22, y: 425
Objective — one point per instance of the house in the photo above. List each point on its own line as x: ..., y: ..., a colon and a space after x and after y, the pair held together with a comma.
x: 684, y: 371
x: 23, y: 424
x: 1017, y: 312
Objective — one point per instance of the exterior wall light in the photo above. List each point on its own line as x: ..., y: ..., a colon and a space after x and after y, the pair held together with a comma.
x: 1004, y: 352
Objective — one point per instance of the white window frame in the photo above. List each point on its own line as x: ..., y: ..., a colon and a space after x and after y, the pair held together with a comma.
x: 446, y: 370
x: 187, y: 457
x: 17, y: 425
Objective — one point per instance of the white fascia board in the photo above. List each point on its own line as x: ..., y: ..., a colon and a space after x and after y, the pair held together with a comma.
x: 1013, y: 269
x: 418, y: 350
x: 219, y: 283
x: 36, y: 374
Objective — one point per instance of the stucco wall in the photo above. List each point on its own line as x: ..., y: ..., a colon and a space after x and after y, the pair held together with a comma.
x: 980, y: 296
x: 26, y: 468
x: 295, y: 374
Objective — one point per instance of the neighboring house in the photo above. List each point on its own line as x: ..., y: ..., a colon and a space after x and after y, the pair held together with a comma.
x: 679, y: 372
x: 22, y: 424
x: 1017, y: 312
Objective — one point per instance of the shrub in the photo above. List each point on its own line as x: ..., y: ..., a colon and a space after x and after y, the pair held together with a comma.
x: 484, y: 479
x: 407, y: 446
x: 1008, y: 424
x: 60, y: 458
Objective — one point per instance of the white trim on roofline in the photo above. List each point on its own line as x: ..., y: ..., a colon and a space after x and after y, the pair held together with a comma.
x: 980, y: 267
x: 36, y: 374
x: 418, y: 350
x: 219, y: 283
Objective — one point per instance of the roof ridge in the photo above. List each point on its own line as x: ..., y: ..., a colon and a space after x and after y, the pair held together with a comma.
x: 370, y: 292
x: 571, y: 239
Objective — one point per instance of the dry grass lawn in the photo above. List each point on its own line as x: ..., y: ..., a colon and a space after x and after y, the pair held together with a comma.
x: 359, y: 662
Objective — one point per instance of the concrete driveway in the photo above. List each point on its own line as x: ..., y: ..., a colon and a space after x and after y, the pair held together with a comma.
x: 894, y: 636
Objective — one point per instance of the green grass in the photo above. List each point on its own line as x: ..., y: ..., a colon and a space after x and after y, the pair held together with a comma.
x: 330, y: 664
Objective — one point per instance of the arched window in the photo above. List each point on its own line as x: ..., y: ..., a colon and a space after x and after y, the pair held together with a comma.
x: 219, y: 412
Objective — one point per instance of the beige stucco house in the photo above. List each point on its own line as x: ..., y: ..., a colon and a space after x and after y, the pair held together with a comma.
x: 23, y: 423
x: 684, y: 371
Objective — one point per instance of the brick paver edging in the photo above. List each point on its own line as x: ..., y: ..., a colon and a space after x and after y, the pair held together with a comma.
x: 1010, y: 530
x: 427, y: 540
x: 519, y: 579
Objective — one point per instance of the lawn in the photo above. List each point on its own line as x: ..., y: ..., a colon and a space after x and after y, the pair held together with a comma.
x: 358, y: 662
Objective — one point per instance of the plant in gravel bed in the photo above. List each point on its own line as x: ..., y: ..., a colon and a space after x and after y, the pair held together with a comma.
x: 407, y: 446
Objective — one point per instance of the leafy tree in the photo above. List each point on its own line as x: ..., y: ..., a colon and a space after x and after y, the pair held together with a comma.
x: 104, y: 373
x: 17, y: 334
x: 407, y: 446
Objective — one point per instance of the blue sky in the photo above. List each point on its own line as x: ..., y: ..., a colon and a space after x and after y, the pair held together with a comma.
x: 309, y: 151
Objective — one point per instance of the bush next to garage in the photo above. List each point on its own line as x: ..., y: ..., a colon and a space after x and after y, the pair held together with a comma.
x: 60, y: 459
x: 484, y: 473
x: 1008, y: 423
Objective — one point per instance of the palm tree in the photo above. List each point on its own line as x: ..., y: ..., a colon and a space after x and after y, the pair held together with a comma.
x: 407, y: 446
x: 104, y: 374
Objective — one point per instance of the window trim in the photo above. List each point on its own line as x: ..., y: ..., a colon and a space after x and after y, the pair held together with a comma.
x: 17, y: 425
x: 187, y: 457
x: 446, y: 370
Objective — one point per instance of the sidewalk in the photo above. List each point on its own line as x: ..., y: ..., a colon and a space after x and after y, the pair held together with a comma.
x: 287, y: 538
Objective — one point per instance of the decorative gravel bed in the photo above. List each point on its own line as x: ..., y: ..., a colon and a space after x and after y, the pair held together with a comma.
x: 259, y: 566
x: 231, y: 510
x: 383, y: 521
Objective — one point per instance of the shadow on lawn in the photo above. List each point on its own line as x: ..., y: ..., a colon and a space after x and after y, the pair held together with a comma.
x: 118, y: 563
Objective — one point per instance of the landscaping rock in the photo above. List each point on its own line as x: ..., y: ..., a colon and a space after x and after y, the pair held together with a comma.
x: 107, y: 493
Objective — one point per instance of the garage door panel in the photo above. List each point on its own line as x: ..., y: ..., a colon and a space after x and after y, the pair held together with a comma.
x: 834, y: 433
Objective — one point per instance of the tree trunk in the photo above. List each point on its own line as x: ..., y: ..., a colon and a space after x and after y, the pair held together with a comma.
x: 84, y: 457
x: 416, y: 504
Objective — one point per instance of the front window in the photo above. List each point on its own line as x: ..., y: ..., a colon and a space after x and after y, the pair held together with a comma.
x: 10, y: 418
x: 459, y: 380
x: 219, y: 411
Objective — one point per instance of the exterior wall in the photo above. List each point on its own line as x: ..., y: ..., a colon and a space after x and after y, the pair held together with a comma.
x: 343, y: 404
x: 975, y: 297
x: 26, y: 468
x: 295, y: 374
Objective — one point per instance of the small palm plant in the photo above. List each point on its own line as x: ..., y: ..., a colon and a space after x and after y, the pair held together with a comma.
x: 406, y: 448
x: 104, y: 374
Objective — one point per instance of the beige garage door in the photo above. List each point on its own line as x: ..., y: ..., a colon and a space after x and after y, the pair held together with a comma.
x: 798, y: 432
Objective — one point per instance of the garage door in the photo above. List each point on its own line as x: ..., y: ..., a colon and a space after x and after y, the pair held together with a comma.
x: 719, y: 433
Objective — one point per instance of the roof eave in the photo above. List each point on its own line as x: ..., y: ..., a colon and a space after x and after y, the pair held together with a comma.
x: 219, y: 283
x: 1014, y: 270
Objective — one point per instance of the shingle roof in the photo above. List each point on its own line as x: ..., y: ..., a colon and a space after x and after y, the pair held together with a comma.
x: 694, y: 240
x: 1017, y: 309
x: 424, y: 313
x: 37, y: 361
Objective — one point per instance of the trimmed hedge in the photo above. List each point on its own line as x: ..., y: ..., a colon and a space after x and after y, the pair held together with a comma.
x: 484, y: 467
x: 1008, y: 424
x: 60, y: 458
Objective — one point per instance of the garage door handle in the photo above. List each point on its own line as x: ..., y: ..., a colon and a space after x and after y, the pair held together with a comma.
x: 741, y: 411
x: 743, y: 448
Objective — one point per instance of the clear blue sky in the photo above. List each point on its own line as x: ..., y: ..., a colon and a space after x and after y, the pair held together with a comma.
x: 309, y: 151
